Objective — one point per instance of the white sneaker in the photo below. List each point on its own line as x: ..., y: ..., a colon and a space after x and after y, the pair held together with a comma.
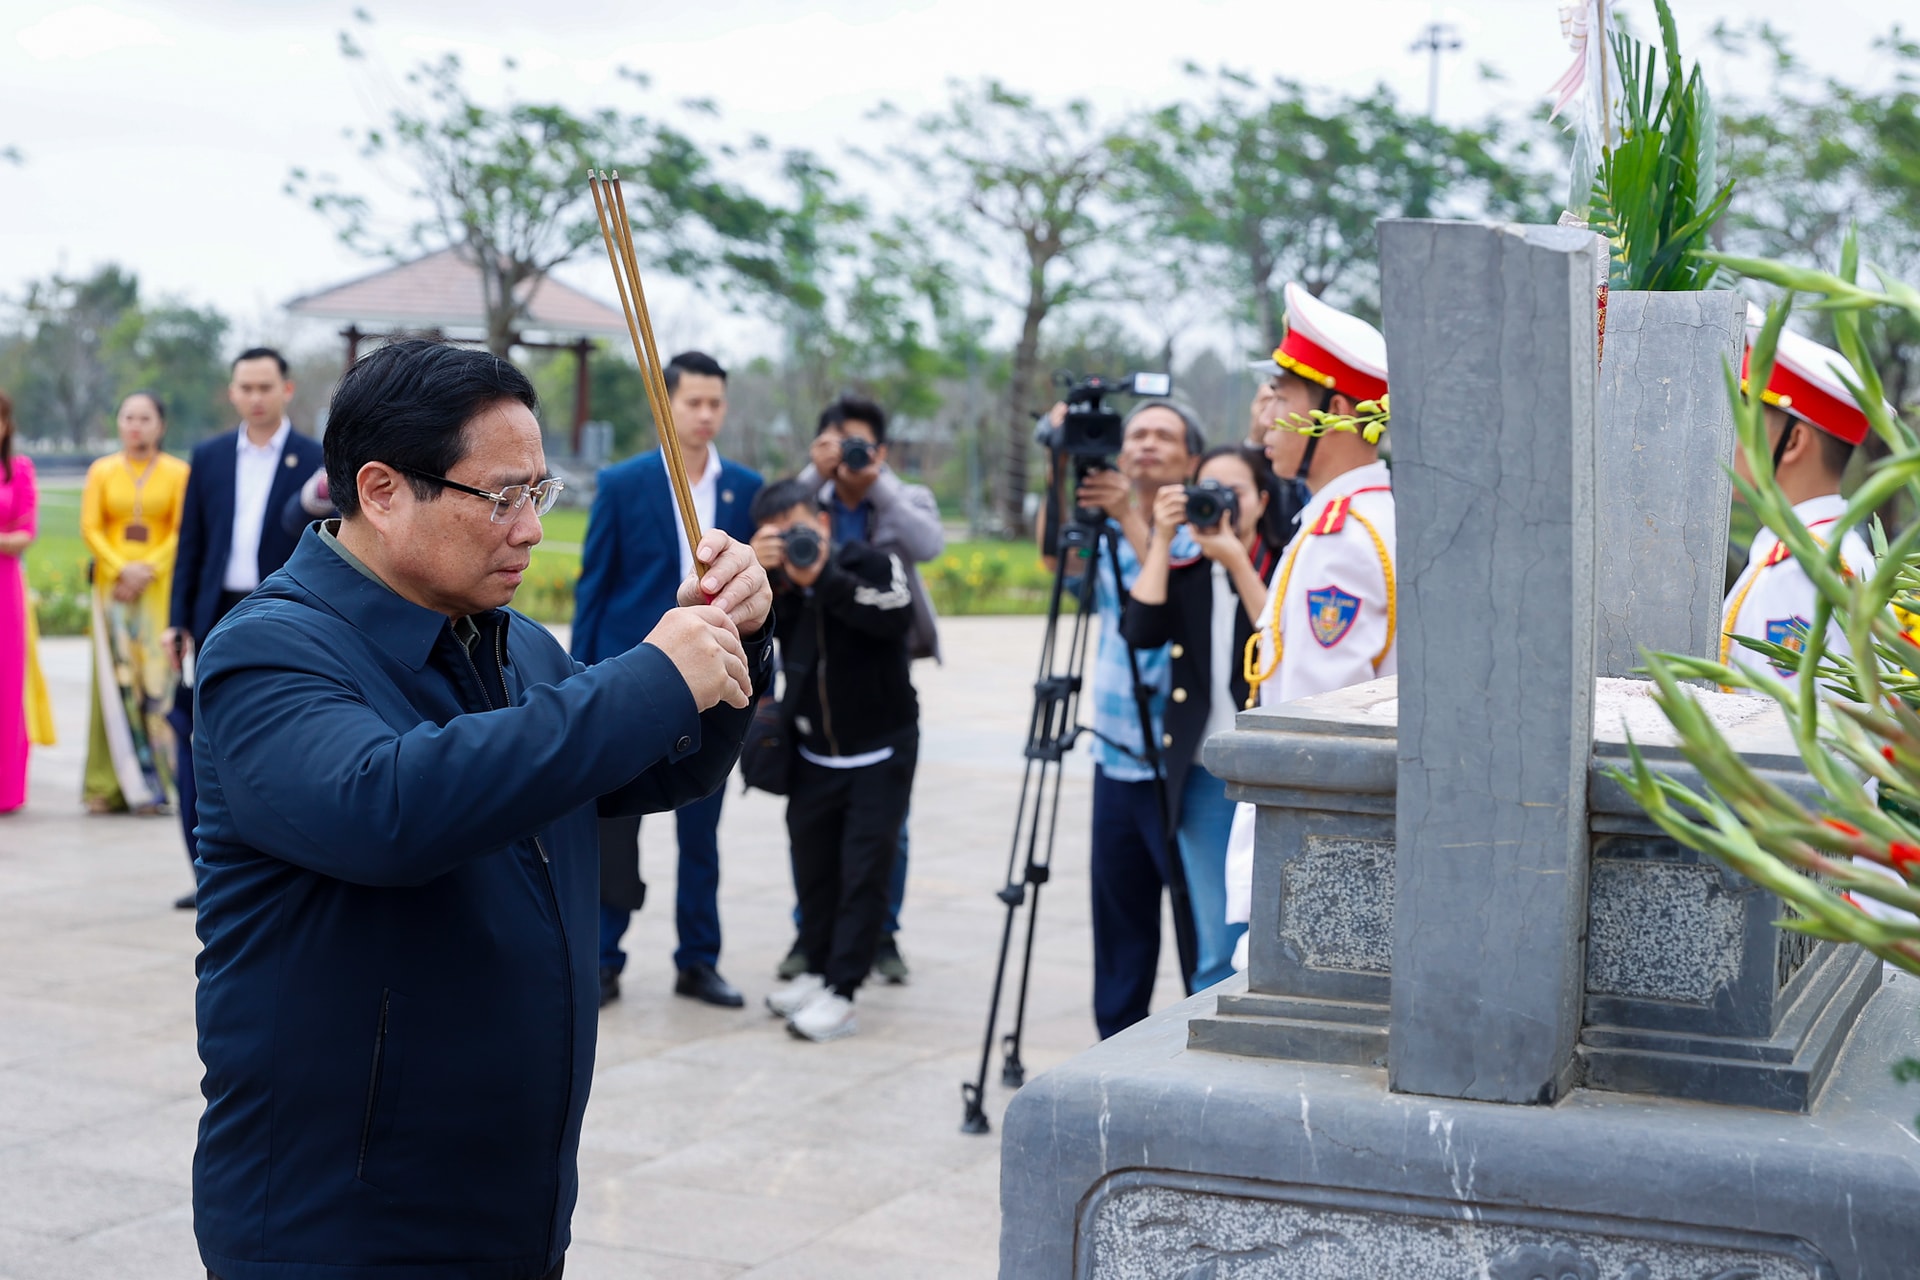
x: 794, y: 994
x: 828, y: 1017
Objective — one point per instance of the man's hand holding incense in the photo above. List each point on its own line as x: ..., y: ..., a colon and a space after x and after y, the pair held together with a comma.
x: 734, y: 583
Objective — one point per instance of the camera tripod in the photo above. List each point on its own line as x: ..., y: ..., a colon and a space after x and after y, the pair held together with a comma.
x: 1051, y: 734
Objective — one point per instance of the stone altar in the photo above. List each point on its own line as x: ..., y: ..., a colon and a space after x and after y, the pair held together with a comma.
x: 1494, y: 1026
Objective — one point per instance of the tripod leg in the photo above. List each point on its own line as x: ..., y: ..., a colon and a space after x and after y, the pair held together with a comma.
x: 1051, y: 731
x: 973, y: 1092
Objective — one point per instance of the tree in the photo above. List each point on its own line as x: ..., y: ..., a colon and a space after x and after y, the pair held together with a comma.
x: 1268, y: 183
x: 506, y: 185
x: 1023, y: 185
x: 1816, y: 157
x: 83, y: 344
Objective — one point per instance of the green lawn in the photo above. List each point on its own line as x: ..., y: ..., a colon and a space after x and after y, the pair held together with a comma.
x: 971, y: 577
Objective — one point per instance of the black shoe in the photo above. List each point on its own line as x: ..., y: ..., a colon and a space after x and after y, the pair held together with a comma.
x: 888, y: 962
x: 794, y: 965
x: 183, y: 903
x: 609, y: 986
x: 703, y: 982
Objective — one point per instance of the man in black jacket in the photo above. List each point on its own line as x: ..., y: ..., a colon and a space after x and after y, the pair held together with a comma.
x: 842, y: 616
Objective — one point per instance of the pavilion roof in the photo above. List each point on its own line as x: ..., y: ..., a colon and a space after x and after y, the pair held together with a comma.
x: 442, y: 291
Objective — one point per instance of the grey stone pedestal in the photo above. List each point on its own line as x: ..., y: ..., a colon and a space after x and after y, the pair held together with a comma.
x: 1146, y: 1160
x: 1495, y: 1025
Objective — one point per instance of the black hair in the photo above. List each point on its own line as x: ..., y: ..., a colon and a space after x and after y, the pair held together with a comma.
x: 6, y: 439
x: 260, y: 353
x: 1835, y: 453
x: 695, y: 362
x: 852, y: 408
x: 1256, y: 460
x: 1284, y: 499
x: 407, y: 405
x: 153, y: 398
x: 782, y: 496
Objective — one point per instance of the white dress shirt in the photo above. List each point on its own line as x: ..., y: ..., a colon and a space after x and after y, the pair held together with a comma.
x: 1334, y: 599
x: 253, y: 471
x: 706, y: 491
x: 1773, y: 598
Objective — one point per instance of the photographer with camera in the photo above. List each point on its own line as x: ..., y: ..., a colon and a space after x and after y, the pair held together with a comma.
x: 1158, y: 445
x: 867, y: 502
x: 842, y: 616
x: 1204, y: 610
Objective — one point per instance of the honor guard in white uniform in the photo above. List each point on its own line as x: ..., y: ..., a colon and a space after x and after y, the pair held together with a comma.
x: 1813, y: 424
x: 1330, y: 615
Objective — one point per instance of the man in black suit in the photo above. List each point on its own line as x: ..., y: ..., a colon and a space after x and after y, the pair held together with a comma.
x: 231, y: 535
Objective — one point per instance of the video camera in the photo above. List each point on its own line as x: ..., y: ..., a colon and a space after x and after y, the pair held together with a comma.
x: 1091, y: 430
x: 1091, y: 433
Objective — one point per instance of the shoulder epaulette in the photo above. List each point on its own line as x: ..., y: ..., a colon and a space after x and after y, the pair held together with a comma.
x: 1334, y: 518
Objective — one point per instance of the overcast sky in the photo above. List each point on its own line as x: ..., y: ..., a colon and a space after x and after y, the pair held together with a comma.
x: 159, y: 135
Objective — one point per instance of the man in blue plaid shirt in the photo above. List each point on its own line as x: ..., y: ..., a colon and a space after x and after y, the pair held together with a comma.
x: 1129, y: 863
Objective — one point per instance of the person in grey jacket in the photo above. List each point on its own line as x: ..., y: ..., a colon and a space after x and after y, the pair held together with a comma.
x: 870, y: 503
x: 867, y: 502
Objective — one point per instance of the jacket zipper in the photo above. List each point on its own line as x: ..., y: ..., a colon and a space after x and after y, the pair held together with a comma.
x: 566, y: 947
x: 820, y: 667
x: 373, y: 1083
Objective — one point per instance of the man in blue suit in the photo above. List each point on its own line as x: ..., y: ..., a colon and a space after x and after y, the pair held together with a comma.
x: 231, y: 535
x: 635, y: 557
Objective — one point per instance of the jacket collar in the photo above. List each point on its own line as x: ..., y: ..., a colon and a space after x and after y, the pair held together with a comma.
x: 404, y: 629
x: 1341, y: 486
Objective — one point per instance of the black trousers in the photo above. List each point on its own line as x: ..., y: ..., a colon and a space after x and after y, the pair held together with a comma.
x: 844, y: 829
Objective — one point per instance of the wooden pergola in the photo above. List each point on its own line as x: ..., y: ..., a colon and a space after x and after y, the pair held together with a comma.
x: 441, y: 294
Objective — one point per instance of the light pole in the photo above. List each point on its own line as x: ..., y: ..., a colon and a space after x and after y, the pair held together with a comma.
x: 1437, y: 38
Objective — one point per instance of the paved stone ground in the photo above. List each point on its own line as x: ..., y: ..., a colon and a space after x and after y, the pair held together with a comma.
x: 715, y: 1145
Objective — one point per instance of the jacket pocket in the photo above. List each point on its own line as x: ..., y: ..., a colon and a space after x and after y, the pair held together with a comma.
x: 384, y: 1081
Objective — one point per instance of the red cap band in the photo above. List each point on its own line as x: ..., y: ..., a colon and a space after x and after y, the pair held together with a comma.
x: 1805, y: 399
x: 1300, y: 355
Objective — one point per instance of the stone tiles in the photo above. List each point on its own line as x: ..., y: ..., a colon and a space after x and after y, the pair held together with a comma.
x: 715, y: 1146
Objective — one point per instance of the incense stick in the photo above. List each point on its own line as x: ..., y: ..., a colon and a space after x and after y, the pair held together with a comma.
x: 610, y: 205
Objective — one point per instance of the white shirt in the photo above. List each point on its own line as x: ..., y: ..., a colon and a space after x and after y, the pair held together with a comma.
x: 1226, y: 611
x: 253, y: 470
x: 1331, y: 592
x: 1769, y: 601
x: 1333, y: 596
x: 706, y: 496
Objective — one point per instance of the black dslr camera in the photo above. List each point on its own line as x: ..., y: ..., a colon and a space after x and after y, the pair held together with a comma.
x: 1211, y: 503
x: 803, y: 546
x: 855, y: 454
x: 1091, y: 433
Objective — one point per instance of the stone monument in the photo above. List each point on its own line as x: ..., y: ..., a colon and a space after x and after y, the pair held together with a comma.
x: 1494, y: 1025
x: 1666, y: 438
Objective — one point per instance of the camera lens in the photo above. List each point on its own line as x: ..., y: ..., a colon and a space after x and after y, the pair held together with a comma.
x: 1210, y: 502
x: 803, y: 546
x: 856, y: 454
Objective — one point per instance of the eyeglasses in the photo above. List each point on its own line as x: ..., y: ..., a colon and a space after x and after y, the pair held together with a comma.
x: 509, y: 500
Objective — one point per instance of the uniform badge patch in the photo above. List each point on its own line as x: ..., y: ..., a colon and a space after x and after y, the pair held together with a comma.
x: 1788, y: 633
x: 1331, y: 611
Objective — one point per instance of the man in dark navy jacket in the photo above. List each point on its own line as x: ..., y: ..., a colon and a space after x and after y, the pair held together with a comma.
x: 635, y: 558
x: 400, y: 785
x: 231, y: 535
